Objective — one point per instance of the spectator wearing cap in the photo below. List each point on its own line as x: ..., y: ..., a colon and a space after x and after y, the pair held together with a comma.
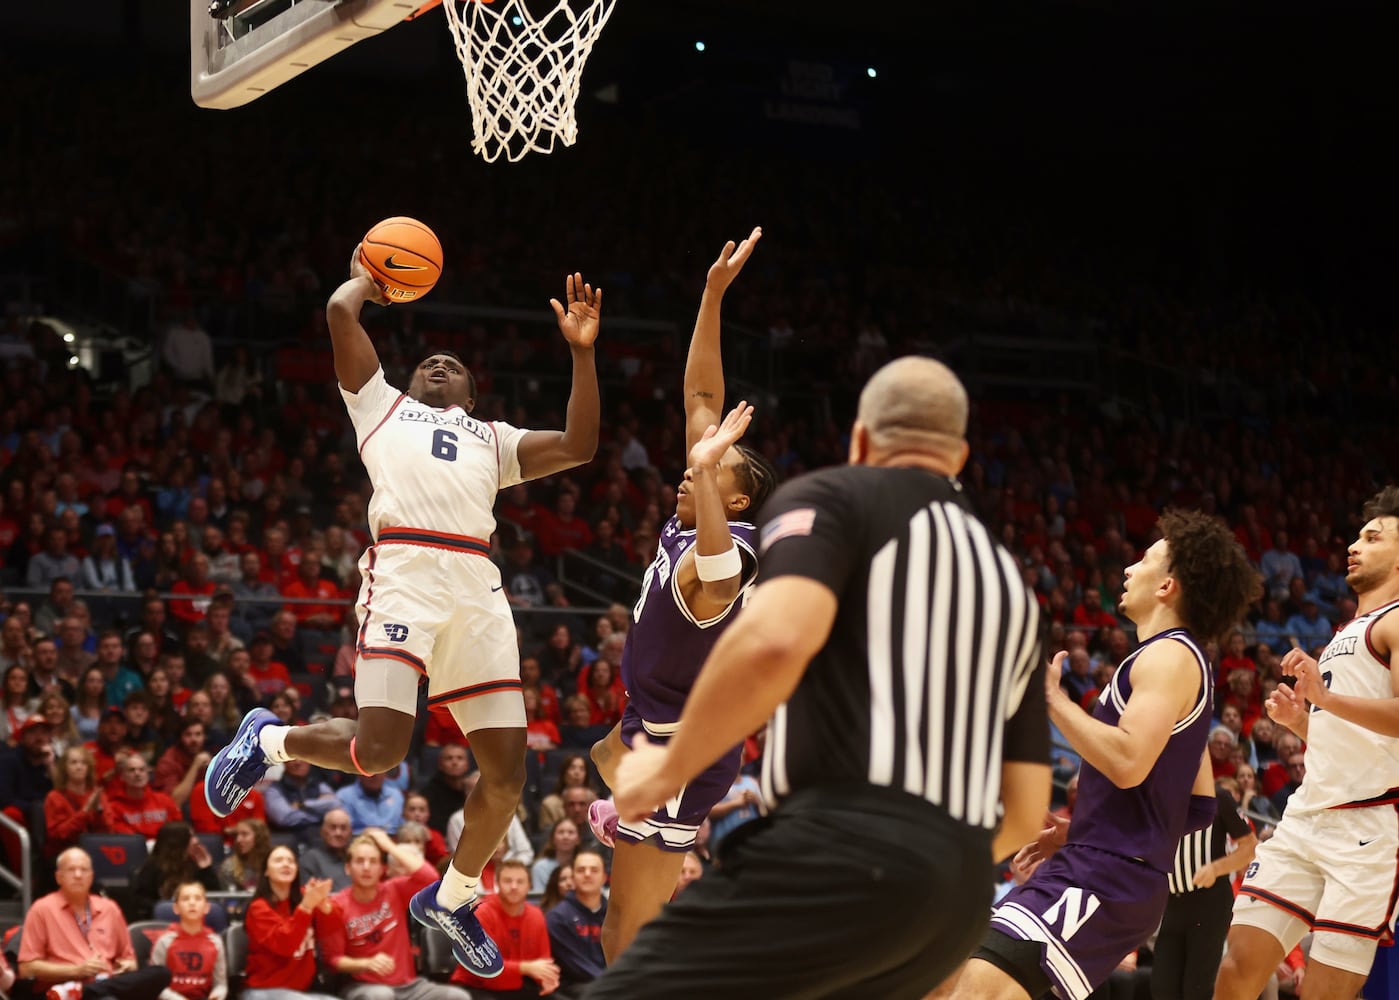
x: 111, y: 746
x: 131, y: 805
x: 120, y: 680
x: 104, y: 568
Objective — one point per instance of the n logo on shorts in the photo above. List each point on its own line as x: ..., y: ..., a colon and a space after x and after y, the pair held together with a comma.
x: 395, y: 633
x: 1075, y: 906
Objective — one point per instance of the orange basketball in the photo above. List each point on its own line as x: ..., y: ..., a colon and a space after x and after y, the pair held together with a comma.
x: 404, y: 256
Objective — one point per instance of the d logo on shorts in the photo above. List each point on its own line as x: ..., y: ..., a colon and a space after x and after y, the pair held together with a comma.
x: 1251, y: 870
x: 396, y: 633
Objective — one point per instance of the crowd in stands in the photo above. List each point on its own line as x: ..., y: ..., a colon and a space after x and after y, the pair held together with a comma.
x: 178, y: 549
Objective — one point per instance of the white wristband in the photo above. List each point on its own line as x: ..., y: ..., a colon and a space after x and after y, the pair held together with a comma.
x: 724, y: 566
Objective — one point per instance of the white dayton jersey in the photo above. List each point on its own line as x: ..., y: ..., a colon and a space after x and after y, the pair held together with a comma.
x: 1348, y: 765
x: 434, y: 469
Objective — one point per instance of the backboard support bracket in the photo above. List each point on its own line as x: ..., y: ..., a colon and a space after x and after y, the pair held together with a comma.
x: 229, y: 68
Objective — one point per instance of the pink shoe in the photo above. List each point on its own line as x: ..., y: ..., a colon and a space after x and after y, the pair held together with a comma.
x: 602, y: 817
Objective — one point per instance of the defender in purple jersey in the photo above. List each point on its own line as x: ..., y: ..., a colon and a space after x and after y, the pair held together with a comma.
x: 705, y: 561
x: 1097, y: 890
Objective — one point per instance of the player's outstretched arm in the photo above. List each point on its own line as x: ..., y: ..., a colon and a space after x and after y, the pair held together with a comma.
x: 356, y: 361
x: 704, y: 367
x: 542, y: 453
x: 714, y: 562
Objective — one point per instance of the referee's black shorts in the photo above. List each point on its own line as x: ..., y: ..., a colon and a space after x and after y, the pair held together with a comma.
x: 857, y: 893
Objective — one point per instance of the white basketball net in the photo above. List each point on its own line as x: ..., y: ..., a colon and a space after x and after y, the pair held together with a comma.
x: 523, y: 72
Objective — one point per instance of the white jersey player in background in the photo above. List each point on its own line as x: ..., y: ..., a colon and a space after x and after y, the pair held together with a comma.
x: 1331, y: 866
x: 431, y: 601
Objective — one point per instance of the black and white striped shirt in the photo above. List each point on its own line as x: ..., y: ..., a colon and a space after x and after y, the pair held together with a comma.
x: 929, y: 680
x: 1198, y: 849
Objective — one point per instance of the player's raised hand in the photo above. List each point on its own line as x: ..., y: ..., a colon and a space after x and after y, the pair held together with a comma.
x: 358, y: 270
x: 731, y: 260
x: 1286, y: 707
x: 716, y: 441
x: 579, y: 322
x: 641, y: 783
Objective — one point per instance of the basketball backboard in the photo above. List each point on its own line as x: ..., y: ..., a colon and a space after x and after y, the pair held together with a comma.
x: 264, y: 43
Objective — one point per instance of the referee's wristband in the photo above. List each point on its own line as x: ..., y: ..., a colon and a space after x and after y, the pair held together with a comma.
x: 724, y: 566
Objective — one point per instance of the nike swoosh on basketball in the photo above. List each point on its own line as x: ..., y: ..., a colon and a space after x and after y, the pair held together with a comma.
x: 393, y: 265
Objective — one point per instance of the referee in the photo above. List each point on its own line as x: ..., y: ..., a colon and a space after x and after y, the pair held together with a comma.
x: 894, y: 652
x: 1196, y: 922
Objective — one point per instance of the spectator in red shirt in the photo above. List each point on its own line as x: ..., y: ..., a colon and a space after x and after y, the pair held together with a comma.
x: 111, y: 746
x: 181, y: 765
x: 369, y: 942
x: 562, y: 528
x: 519, y: 928
x: 1235, y: 658
x: 74, y: 807
x: 1090, y: 613
x: 518, y: 509
x: 269, y: 675
x: 132, y: 806
x: 602, y: 685
x: 530, y: 678
x: 194, y: 591
x: 310, y: 584
x: 130, y: 494
x: 277, y: 565
x: 281, y: 924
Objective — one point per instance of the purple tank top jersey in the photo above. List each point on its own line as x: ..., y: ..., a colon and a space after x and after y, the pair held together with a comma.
x: 1145, y: 822
x: 666, y: 645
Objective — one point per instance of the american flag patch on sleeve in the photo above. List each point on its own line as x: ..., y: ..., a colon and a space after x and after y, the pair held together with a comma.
x: 792, y: 524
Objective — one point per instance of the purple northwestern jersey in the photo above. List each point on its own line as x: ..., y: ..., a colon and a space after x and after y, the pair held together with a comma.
x: 667, y: 645
x: 1145, y: 822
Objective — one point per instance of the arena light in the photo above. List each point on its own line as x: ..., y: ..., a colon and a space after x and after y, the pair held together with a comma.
x: 871, y: 73
x: 699, y: 46
x: 68, y: 338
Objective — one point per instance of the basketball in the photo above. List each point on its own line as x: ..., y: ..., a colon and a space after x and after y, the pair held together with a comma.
x: 404, y: 256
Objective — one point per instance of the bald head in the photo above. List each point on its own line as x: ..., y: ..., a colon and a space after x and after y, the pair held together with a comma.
x: 914, y: 395
x: 912, y: 407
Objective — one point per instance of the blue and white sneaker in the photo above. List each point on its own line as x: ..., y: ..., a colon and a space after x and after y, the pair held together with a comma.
x: 471, y: 945
x: 239, y: 766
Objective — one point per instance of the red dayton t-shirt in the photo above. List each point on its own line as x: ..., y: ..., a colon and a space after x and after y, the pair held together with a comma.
x: 381, y: 925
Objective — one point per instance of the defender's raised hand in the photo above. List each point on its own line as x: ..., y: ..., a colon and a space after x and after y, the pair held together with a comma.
x: 731, y: 260
x: 716, y: 441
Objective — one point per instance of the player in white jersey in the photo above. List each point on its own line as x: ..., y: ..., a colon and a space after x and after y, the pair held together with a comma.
x: 431, y: 601
x: 1331, y: 866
